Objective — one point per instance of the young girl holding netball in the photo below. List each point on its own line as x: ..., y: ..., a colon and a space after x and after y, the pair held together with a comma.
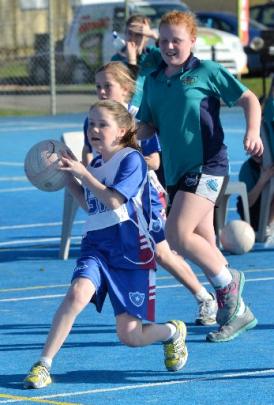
x: 117, y: 254
x: 181, y: 99
x: 114, y: 81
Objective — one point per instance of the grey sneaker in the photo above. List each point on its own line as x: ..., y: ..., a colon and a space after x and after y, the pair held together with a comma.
x: 229, y: 298
x: 175, y: 349
x: 233, y: 328
x: 207, y: 312
x: 38, y: 377
x: 269, y: 242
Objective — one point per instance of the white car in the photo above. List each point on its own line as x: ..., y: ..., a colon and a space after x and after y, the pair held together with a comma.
x: 223, y: 47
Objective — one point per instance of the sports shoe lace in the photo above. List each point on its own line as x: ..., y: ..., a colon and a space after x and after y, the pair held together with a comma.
x: 222, y: 293
x: 173, y: 347
x: 39, y: 369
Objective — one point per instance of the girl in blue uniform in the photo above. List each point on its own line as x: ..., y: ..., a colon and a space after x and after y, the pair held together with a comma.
x: 117, y: 253
x: 114, y: 81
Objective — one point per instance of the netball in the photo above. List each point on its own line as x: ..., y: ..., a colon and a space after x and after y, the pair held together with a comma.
x: 41, y: 165
x: 238, y: 237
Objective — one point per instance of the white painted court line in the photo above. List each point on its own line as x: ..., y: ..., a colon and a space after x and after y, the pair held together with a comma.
x: 16, y: 189
x: 14, y: 178
x: 38, y: 297
x: 42, y: 240
x: 51, y: 296
x: 11, y: 163
x: 36, y: 287
x: 41, y: 127
x: 37, y: 225
x: 212, y: 377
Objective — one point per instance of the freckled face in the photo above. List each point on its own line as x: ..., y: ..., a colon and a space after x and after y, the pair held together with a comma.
x: 176, y: 44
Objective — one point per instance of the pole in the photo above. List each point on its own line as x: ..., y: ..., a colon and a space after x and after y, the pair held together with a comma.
x: 126, y: 10
x: 243, y: 21
x: 51, y: 58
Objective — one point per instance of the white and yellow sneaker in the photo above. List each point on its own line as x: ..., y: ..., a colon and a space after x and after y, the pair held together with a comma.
x: 38, y: 377
x: 175, y: 349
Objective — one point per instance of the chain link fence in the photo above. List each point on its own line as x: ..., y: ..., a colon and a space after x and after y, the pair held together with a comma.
x: 35, y: 74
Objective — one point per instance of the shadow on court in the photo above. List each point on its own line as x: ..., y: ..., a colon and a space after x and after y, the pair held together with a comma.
x: 40, y: 252
x: 143, y: 376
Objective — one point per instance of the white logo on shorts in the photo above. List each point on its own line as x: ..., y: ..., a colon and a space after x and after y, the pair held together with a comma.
x: 212, y: 184
x: 137, y: 298
x: 191, y: 181
x: 81, y: 267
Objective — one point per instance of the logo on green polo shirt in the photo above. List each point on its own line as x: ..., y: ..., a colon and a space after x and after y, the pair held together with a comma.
x: 188, y: 80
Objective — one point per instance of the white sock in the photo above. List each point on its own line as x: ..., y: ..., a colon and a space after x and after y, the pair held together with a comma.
x: 222, y: 279
x: 203, y: 295
x: 46, y: 361
x: 241, y: 310
x: 172, y: 329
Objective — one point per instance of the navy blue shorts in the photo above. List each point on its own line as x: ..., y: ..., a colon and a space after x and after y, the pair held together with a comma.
x: 130, y: 290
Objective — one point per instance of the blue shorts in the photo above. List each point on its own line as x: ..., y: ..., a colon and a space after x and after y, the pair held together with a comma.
x: 130, y: 291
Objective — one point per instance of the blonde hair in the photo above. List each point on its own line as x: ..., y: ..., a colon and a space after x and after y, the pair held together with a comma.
x: 185, y: 18
x: 121, y: 74
x: 123, y: 119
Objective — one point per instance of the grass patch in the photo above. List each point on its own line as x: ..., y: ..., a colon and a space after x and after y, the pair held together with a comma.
x: 13, y: 69
x: 255, y: 84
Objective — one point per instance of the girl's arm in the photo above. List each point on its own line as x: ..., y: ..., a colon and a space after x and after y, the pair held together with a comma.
x: 77, y: 191
x: 87, y: 155
x: 153, y: 161
x: 145, y: 130
x: 256, y: 191
x: 252, y: 110
x: 110, y: 198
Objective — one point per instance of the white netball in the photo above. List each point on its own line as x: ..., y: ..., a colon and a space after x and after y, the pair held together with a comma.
x: 237, y: 237
x: 41, y: 165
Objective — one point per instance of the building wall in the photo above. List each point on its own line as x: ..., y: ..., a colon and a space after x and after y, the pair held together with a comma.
x: 18, y: 27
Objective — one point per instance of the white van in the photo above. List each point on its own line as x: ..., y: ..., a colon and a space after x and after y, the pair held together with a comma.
x: 89, y: 40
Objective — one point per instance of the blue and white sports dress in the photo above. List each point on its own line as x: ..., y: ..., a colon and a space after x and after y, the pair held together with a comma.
x: 117, y: 252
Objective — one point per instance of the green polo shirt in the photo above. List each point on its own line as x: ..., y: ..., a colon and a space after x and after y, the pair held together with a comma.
x: 185, y: 109
x: 147, y: 62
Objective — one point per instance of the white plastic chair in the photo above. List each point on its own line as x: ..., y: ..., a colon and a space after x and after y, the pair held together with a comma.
x: 220, y: 212
x: 75, y: 141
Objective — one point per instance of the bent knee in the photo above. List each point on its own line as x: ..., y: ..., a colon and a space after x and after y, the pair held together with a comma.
x: 130, y: 339
x: 77, y: 297
x: 180, y: 243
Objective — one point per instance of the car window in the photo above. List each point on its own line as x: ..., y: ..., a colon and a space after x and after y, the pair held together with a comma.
x: 205, y: 21
x: 256, y: 25
x: 216, y: 23
x: 268, y: 16
x: 254, y: 13
x: 119, y: 19
x: 224, y: 26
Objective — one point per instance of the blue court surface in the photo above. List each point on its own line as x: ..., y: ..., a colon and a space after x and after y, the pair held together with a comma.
x: 93, y: 368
